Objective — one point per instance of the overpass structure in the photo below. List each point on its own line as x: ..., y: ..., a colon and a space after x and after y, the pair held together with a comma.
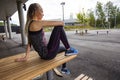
x: 7, y: 9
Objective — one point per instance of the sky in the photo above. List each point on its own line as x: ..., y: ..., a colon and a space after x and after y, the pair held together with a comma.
x: 53, y: 9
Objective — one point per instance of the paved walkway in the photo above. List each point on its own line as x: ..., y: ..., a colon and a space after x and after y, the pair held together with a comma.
x: 9, y: 48
x: 99, y: 56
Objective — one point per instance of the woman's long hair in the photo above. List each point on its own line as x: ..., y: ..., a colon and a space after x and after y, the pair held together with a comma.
x: 30, y: 14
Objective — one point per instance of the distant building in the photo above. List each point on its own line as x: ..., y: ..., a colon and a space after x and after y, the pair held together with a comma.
x: 71, y: 22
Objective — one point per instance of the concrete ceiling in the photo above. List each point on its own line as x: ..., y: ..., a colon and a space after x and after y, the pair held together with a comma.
x: 8, y: 8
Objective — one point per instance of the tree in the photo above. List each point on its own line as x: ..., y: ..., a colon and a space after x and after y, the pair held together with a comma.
x: 108, y: 15
x: 82, y: 18
x: 112, y: 13
x: 100, y: 14
x: 1, y: 24
x: 118, y: 17
x: 91, y: 18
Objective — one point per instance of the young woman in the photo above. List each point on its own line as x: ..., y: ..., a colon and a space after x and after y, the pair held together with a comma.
x: 34, y: 30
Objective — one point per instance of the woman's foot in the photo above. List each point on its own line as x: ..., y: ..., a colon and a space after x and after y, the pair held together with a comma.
x: 65, y: 71
x: 71, y: 51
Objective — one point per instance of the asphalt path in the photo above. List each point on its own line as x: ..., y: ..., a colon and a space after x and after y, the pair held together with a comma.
x: 98, y: 58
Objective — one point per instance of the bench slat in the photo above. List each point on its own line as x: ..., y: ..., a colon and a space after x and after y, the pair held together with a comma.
x: 8, y: 60
x: 46, y: 68
x: 9, y: 63
x: 31, y: 68
x: 15, y: 66
x: 19, y: 66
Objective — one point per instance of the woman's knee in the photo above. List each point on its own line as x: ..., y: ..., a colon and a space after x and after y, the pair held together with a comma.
x: 59, y: 26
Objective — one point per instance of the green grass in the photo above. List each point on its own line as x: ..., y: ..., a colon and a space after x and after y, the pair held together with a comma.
x: 79, y: 27
x: 70, y: 28
x: 118, y: 26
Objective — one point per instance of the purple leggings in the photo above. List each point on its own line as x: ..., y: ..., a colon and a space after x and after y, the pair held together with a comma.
x: 53, y: 46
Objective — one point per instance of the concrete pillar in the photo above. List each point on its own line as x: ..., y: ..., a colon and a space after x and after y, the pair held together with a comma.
x: 21, y: 20
x: 5, y: 28
x: 9, y: 27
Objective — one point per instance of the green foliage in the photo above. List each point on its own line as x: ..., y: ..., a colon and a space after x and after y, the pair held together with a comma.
x: 80, y: 17
x: 77, y: 27
x: 111, y: 12
x: 108, y: 14
x: 118, y: 26
x: 47, y: 29
x: 99, y: 11
x: 100, y: 14
x: 1, y: 24
x: 13, y: 24
x: 118, y: 17
x: 91, y: 18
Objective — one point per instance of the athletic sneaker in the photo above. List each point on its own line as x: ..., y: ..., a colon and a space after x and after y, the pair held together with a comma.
x: 71, y: 51
x: 65, y: 71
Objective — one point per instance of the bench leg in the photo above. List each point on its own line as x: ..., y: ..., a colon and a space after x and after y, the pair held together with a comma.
x: 97, y: 32
x: 107, y: 32
x: 50, y: 75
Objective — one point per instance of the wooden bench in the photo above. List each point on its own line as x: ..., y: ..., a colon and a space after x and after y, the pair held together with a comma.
x: 11, y: 70
x: 81, y: 32
x: 103, y: 31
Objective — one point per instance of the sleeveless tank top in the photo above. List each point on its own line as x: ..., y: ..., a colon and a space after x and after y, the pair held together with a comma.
x: 38, y: 41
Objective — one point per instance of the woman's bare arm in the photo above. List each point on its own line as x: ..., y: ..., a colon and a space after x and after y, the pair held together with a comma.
x: 51, y: 23
x: 25, y: 58
x: 28, y: 50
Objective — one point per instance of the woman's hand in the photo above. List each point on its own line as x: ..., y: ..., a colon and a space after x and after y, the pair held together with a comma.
x: 21, y: 59
x: 25, y: 58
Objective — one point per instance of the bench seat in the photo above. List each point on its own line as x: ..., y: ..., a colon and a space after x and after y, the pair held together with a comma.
x: 102, y: 32
x: 10, y: 70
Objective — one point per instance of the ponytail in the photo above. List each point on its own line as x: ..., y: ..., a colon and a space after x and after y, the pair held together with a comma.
x: 27, y: 25
x: 30, y: 13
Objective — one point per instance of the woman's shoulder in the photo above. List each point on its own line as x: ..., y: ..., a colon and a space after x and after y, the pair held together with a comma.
x: 35, y: 25
x: 35, y: 22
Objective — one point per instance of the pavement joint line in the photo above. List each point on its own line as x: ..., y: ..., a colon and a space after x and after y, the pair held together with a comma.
x: 83, y: 77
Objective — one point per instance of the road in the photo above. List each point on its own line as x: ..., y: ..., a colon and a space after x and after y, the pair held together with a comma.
x: 98, y: 58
